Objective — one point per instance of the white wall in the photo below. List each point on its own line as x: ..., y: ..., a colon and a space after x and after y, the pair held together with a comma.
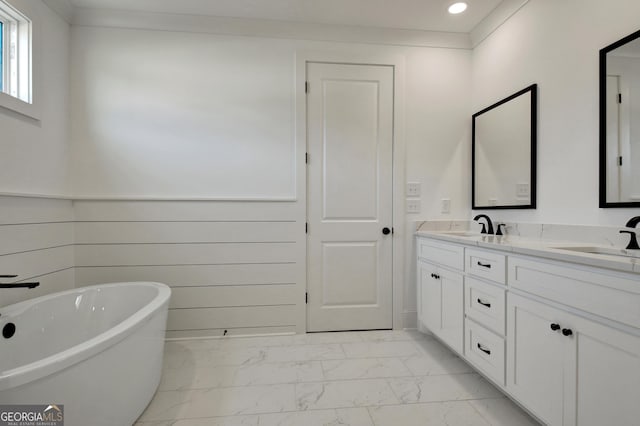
x: 556, y: 44
x: 36, y: 234
x: 35, y: 154
x: 177, y: 115
x: 173, y: 114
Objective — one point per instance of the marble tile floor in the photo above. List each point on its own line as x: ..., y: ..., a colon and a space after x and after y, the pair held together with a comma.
x: 381, y: 378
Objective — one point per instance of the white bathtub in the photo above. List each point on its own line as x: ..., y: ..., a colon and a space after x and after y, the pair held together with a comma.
x: 96, y: 350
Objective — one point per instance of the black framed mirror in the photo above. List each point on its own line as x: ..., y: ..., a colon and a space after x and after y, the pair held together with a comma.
x: 503, y: 168
x: 620, y: 123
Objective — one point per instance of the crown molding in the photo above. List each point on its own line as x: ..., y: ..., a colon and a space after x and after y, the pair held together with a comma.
x: 494, y: 20
x: 285, y: 29
x: 267, y: 28
x: 62, y: 7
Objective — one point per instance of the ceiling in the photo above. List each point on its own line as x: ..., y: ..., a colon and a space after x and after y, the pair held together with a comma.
x: 429, y: 15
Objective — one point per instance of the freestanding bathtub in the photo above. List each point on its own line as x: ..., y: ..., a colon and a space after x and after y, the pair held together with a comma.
x: 96, y: 350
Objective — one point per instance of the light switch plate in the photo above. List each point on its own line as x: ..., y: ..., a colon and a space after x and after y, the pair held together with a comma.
x: 446, y: 205
x: 413, y: 189
x: 522, y: 189
x: 413, y: 206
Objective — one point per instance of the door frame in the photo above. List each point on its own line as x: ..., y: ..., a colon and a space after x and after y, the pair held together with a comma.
x: 398, y: 211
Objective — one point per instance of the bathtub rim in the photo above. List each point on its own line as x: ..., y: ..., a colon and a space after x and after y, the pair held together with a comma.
x: 75, y: 354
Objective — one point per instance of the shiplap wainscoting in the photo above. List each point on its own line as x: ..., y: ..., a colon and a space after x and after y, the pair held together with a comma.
x: 36, y: 243
x: 232, y: 265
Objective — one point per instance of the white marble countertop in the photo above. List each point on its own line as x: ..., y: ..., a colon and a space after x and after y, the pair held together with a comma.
x: 541, y: 248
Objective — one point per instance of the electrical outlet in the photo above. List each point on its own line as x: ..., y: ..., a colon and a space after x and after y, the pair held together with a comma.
x: 413, y: 206
x: 413, y: 189
x: 446, y: 205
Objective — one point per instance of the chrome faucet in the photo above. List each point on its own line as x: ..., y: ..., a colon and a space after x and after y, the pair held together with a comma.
x: 489, y: 228
x: 633, y: 242
x: 17, y: 285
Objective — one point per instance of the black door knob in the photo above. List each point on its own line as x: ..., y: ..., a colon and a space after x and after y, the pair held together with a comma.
x: 567, y: 332
x: 555, y: 327
x: 386, y: 231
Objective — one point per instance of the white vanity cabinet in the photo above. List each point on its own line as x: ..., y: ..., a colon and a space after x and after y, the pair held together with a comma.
x: 569, y: 370
x: 568, y: 366
x: 562, y: 339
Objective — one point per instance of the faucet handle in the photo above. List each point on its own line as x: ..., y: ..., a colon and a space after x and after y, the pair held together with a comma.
x: 633, y: 242
x: 484, y: 228
x: 499, y: 230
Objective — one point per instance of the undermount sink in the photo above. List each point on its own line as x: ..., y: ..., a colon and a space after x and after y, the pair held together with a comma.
x: 603, y: 250
x: 461, y: 233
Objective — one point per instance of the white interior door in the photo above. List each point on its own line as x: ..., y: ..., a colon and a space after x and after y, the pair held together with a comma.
x: 350, y: 145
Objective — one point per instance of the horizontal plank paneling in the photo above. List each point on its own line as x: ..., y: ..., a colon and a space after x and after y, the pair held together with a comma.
x: 105, y: 211
x: 49, y: 283
x: 35, y: 263
x: 185, y: 232
x: 19, y: 238
x: 17, y: 210
x: 230, y: 317
x: 36, y: 243
x: 191, y: 275
x: 232, y: 264
x: 184, y: 254
x: 221, y: 296
x: 220, y: 332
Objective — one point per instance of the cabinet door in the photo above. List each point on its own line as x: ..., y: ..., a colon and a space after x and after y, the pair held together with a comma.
x: 442, y: 303
x: 608, y: 376
x: 537, y: 357
x: 452, y: 310
x: 429, y: 297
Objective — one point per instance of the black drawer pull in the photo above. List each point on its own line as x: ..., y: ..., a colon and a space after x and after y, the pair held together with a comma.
x: 487, y: 304
x: 567, y: 332
x: 484, y: 265
x: 486, y: 351
x: 555, y: 327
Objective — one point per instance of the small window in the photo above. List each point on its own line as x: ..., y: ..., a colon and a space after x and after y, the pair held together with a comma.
x: 15, y: 53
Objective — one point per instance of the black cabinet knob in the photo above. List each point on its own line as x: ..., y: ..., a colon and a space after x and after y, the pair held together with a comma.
x: 567, y: 332
x: 555, y: 327
x: 386, y: 231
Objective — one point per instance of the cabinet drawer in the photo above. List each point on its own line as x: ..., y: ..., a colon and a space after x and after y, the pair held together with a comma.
x: 445, y: 254
x: 609, y: 294
x: 485, y: 350
x: 485, y: 303
x: 486, y: 264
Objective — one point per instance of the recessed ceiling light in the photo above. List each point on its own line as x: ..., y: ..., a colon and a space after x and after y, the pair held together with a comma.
x: 456, y: 8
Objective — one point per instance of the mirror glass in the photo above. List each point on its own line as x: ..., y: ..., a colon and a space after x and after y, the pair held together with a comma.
x: 620, y: 123
x: 504, y: 153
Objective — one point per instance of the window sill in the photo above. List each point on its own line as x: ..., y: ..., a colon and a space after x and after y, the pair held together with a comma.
x: 20, y: 107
